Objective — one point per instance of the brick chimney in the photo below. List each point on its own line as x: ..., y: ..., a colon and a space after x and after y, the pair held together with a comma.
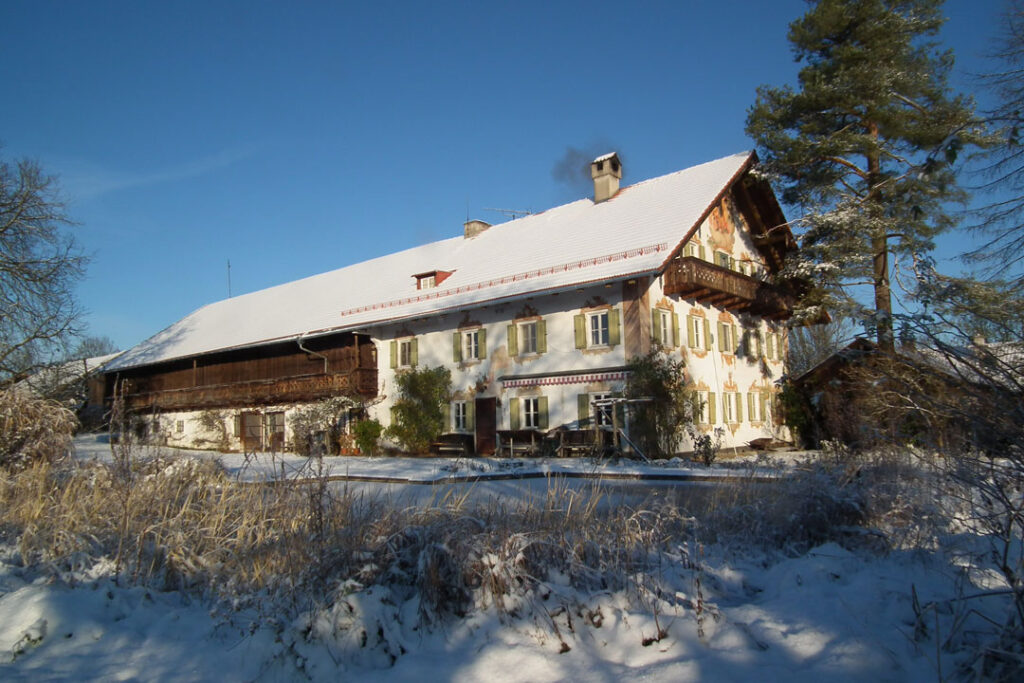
x: 607, y: 172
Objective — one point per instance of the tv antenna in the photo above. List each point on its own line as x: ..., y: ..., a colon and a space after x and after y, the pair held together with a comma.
x: 229, y: 278
x: 512, y: 213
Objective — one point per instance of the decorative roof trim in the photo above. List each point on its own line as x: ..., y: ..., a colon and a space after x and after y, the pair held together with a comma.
x: 563, y: 378
x: 508, y: 279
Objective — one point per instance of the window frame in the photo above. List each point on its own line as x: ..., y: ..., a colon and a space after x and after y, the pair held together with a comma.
x: 459, y: 416
x: 404, y: 357
x: 601, y: 332
x: 530, y: 412
x: 525, y: 340
x: 471, y: 344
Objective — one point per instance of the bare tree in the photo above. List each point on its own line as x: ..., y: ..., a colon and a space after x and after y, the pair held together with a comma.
x: 39, y: 266
x: 811, y: 344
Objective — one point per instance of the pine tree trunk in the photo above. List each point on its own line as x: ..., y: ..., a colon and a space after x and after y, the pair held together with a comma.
x: 880, y: 251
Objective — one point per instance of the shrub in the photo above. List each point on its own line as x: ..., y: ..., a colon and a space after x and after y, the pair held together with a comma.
x: 33, y: 429
x: 660, y: 423
x: 367, y: 435
x: 417, y: 418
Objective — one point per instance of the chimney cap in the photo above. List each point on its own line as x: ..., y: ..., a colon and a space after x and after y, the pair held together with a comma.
x: 606, y: 164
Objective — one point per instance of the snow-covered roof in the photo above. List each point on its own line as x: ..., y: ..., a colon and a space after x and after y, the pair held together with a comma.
x: 577, y: 243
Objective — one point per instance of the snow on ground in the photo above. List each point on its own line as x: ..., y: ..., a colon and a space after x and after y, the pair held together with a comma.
x: 827, y: 615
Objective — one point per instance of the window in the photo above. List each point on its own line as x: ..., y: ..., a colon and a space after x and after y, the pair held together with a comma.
x: 602, y: 414
x: 722, y: 259
x: 697, y: 329
x: 732, y: 407
x: 529, y: 413
x: 179, y: 426
x: 702, y: 408
x: 726, y: 338
x: 754, y: 407
x: 469, y: 345
x: 663, y: 327
x: 597, y: 323
x: 404, y: 352
x: 527, y: 338
x: 428, y: 282
x: 597, y: 329
x: 459, y: 416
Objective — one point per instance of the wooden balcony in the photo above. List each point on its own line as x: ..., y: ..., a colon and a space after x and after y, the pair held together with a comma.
x: 693, y: 278
x: 361, y: 382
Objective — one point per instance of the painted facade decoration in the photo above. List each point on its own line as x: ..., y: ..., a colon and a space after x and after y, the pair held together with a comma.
x: 531, y: 334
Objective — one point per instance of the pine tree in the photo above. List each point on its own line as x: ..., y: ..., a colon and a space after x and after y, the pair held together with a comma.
x: 865, y: 147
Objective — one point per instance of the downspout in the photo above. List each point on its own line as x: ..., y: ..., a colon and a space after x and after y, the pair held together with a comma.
x: 312, y: 353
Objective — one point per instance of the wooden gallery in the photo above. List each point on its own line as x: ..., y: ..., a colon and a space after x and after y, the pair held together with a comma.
x: 536, y: 318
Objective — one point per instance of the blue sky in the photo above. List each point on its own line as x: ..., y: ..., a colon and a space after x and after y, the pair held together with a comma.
x: 297, y: 137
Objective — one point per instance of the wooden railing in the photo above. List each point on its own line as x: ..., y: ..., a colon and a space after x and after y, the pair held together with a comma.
x: 358, y: 382
x: 693, y: 278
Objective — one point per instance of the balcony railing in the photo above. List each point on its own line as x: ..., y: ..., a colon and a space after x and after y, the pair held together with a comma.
x: 360, y: 381
x: 693, y: 278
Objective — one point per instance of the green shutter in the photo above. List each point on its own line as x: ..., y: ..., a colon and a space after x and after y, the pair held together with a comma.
x: 735, y: 339
x: 760, y: 343
x: 513, y: 340
x: 702, y: 253
x: 656, y: 325
x: 542, y: 410
x: 579, y: 323
x: 675, y: 329
x: 771, y: 347
x: 470, y: 415
x: 414, y: 353
x: 456, y: 347
x: 689, y: 331
x: 448, y: 426
x: 481, y: 347
x: 764, y: 406
x: 721, y: 337
x: 739, y: 406
x: 513, y: 413
x: 542, y: 336
x: 614, y: 334
x: 238, y: 425
x: 394, y: 354
x: 750, y: 405
x: 707, y: 334
x: 583, y: 408
x: 712, y: 417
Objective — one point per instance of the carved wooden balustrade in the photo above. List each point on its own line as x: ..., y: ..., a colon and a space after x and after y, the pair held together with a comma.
x: 359, y: 381
x: 693, y: 278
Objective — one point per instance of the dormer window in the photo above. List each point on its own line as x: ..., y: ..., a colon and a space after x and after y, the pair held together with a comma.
x: 431, y: 279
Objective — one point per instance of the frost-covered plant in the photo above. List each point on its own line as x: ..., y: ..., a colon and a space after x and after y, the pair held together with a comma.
x: 33, y: 429
x: 319, y: 424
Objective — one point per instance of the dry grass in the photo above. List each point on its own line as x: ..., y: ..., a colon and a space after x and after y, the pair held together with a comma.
x: 183, y: 524
x: 32, y: 428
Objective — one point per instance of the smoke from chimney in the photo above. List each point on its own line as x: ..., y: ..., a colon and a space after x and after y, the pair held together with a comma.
x: 573, y: 169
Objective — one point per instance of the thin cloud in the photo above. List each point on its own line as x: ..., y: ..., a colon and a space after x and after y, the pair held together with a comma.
x: 82, y: 180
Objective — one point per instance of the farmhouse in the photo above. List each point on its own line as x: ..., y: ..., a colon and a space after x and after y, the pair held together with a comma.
x: 536, y: 318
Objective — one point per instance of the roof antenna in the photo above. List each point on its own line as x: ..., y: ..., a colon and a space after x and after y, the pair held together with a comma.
x: 512, y: 213
x: 229, y: 278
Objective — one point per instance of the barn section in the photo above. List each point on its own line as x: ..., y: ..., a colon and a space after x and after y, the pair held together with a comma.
x: 291, y: 371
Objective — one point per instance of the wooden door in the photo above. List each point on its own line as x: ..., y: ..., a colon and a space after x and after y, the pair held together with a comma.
x: 252, y: 432
x: 486, y: 425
